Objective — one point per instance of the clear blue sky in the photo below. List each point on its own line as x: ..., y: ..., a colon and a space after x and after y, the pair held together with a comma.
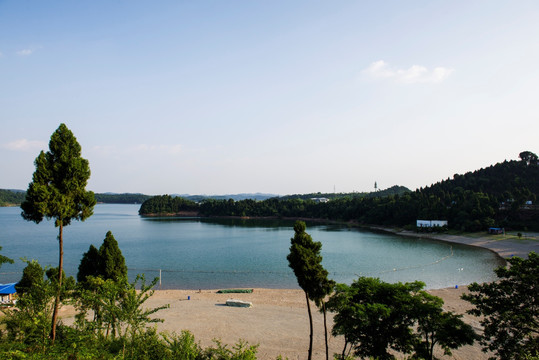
x: 222, y: 97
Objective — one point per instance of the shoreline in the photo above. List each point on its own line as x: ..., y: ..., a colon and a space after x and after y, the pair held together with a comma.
x: 278, y: 320
x: 501, y: 245
x: 505, y: 246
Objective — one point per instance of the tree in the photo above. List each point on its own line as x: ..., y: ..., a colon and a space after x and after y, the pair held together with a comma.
x: 510, y: 309
x: 67, y: 286
x: 106, y: 263
x: 374, y: 316
x: 29, y: 322
x: 306, y: 262
x: 32, y: 278
x: 57, y: 191
x: 325, y: 288
x: 435, y: 326
x: 5, y: 259
x: 111, y: 261
x: 119, y: 305
x: 89, y: 265
x: 528, y: 157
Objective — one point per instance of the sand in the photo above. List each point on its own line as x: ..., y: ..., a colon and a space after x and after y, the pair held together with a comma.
x: 278, y: 320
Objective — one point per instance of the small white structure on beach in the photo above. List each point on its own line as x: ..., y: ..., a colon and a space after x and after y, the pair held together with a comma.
x: 431, y: 223
x: 239, y: 303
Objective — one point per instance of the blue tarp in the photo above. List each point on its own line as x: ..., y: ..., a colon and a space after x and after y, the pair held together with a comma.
x: 6, y: 289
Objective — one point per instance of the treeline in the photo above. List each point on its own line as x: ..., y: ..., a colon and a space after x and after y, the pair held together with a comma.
x: 11, y: 197
x: 121, y: 198
x: 394, y: 190
x: 16, y: 197
x: 166, y: 204
x: 501, y: 195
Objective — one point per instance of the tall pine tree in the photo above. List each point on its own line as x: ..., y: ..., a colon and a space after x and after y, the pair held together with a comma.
x: 306, y: 262
x: 58, y: 191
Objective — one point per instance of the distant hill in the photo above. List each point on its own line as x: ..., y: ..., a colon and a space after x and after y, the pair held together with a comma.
x: 502, y: 195
x: 394, y: 190
x: 10, y: 197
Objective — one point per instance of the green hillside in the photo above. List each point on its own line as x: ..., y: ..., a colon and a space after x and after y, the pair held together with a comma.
x: 504, y: 194
x: 11, y: 197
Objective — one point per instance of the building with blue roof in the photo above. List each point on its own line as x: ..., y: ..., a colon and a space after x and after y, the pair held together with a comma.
x: 7, y: 292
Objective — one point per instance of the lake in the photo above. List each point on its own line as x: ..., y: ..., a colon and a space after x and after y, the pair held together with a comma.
x: 225, y: 253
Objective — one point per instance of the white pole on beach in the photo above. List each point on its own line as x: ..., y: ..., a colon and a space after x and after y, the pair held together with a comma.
x: 159, y: 277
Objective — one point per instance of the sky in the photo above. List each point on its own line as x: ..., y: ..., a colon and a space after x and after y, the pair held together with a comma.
x: 280, y: 97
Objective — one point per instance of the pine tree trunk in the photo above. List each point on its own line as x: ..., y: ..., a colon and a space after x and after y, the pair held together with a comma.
x: 60, y: 271
x: 311, y: 325
x: 325, y: 329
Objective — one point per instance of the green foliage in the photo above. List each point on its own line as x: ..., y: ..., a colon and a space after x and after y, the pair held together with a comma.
x: 57, y: 191
x: 32, y: 278
x: 133, y: 315
x: 510, y: 309
x: 5, y: 259
x: 116, y: 305
x: 167, y: 204
x: 105, y: 263
x: 111, y: 260
x: 528, y: 158
x: 475, y: 201
x: 182, y: 346
x: 394, y: 190
x: 374, y: 317
x: 241, y: 351
x: 89, y: 265
x: 438, y: 327
x: 30, y: 320
x: 68, y: 284
x: 10, y: 197
x: 306, y: 262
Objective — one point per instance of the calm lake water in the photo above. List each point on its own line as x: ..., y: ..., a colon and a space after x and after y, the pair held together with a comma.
x: 209, y: 254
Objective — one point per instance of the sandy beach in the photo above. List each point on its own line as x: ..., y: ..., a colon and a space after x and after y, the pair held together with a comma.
x: 278, y: 320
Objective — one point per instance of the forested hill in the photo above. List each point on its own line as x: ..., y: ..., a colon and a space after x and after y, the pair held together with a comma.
x: 11, y: 197
x: 503, y: 195
x: 16, y: 197
x: 394, y: 190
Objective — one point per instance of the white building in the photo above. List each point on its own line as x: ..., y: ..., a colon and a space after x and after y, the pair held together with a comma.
x: 431, y: 223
